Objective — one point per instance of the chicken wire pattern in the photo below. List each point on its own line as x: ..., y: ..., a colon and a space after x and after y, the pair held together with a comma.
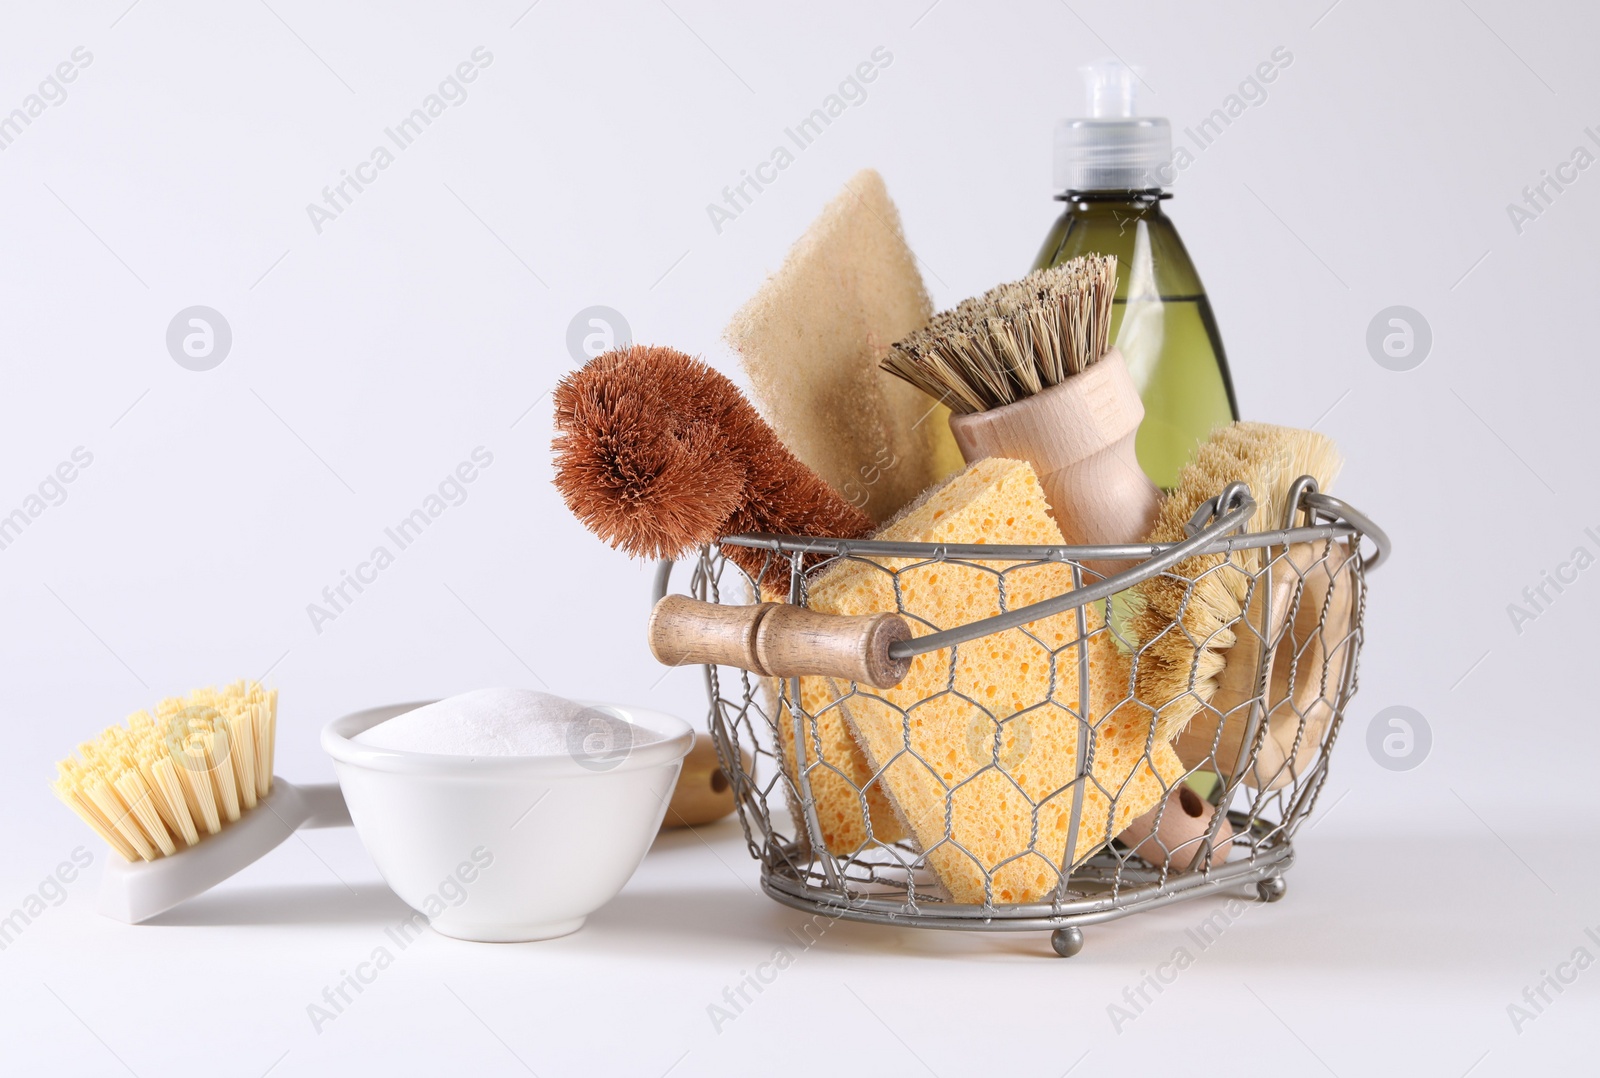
x: 1261, y: 759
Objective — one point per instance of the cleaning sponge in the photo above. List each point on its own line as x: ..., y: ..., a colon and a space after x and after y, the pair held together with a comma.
x: 812, y: 338
x: 977, y: 748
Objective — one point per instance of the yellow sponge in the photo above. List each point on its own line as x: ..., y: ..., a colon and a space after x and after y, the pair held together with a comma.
x: 995, y: 827
x: 839, y: 776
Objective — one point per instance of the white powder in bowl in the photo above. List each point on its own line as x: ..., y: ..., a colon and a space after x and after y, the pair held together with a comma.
x: 508, y: 722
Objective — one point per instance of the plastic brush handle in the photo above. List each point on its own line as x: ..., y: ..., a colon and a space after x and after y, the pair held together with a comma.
x: 136, y: 891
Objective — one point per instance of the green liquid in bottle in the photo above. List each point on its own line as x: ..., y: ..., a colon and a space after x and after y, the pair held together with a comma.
x: 1162, y: 323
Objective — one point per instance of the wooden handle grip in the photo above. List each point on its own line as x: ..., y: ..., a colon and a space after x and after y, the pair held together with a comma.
x: 1304, y: 664
x: 1079, y: 437
x: 1105, y: 499
x: 779, y: 640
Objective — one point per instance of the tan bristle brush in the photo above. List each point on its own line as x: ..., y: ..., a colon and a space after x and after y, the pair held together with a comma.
x: 152, y: 787
x: 1027, y: 371
x: 1199, y: 628
x: 159, y: 790
x: 658, y: 454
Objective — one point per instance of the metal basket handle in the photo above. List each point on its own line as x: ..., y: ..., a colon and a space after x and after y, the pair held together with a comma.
x: 843, y: 646
x: 1228, y: 512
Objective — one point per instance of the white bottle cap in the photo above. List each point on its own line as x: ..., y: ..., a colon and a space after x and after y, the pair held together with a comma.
x: 1112, y: 149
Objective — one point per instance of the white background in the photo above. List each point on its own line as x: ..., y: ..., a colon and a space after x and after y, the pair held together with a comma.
x: 431, y: 318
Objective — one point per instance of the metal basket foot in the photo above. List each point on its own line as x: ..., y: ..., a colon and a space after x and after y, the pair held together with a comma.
x: 1271, y: 889
x: 1067, y: 941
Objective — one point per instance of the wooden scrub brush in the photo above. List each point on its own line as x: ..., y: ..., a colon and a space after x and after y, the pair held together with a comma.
x: 1026, y: 369
x: 658, y: 454
x: 1209, y: 633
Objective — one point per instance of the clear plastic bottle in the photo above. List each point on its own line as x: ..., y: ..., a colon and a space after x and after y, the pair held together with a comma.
x: 1110, y: 170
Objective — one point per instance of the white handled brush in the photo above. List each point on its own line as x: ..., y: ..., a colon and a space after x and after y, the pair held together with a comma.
x: 194, y: 779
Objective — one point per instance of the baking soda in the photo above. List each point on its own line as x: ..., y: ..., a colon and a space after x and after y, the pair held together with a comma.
x: 508, y: 722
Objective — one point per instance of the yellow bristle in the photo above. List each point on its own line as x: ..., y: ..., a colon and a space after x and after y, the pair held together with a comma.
x: 197, y: 783
x: 183, y: 769
x: 112, y: 807
x: 267, y: 735
x: 165, y: 780
x: 176, y: 772
x: 242, y: 754
x: 146, y: 764
x: 216, y: 751
x: 69, y: 793
x: 136, y: 795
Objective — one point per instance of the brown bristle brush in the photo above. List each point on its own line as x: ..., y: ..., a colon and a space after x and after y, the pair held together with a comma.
x: 658, y: 454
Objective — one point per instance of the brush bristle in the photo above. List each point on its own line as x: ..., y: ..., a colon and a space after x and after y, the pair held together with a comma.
x: 1014, y: 340
x: 658, y: 455
x: 156, y: 786
x: 1182, y: 620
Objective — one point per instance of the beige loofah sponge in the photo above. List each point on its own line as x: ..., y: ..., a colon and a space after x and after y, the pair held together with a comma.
x: 994, y: 829
x: 811, y: 341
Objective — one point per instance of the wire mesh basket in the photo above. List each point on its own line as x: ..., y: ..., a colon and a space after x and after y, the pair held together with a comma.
x: 1019, y: 817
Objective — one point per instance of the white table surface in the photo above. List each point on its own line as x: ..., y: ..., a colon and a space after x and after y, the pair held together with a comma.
x: 1371, y: 964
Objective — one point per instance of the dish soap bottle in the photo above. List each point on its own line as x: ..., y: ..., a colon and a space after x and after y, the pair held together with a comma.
x: 1111, y: 169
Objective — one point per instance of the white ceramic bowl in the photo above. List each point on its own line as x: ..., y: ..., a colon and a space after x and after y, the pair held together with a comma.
x: 508, y: 848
